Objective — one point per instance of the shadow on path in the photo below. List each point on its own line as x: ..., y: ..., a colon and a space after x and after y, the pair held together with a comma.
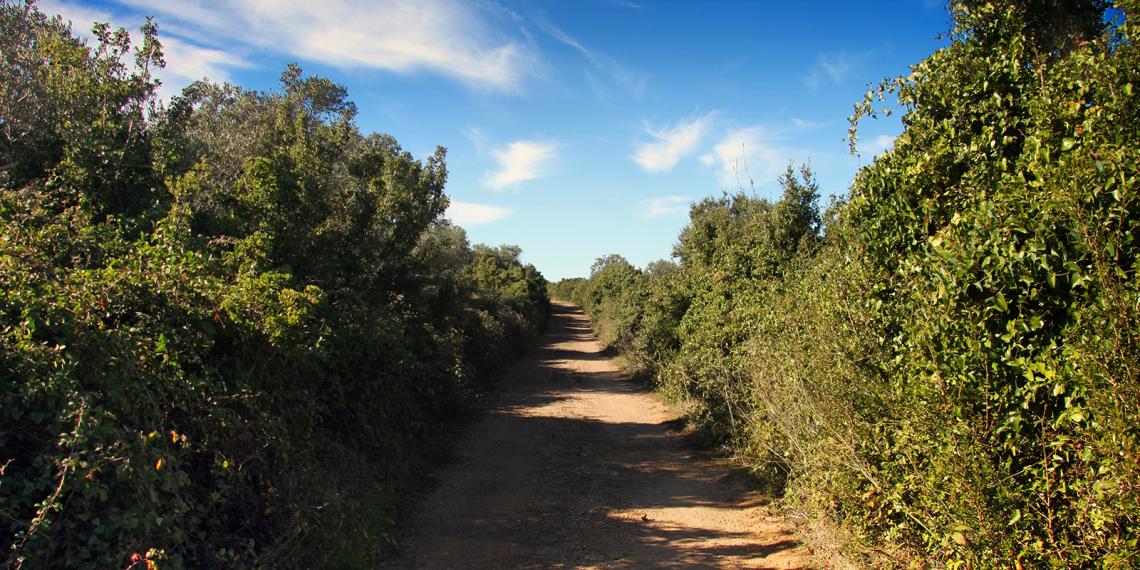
x: 573, y: 466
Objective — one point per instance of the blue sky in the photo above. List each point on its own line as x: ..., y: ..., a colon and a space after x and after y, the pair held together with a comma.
x: 574, y: 129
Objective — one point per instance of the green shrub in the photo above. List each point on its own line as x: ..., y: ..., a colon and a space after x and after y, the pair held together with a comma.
x: 946, y: 376
x: 227, y: 326
x: 565, y: 289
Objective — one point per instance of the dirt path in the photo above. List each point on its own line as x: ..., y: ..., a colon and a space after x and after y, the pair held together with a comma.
x: 574, y: 467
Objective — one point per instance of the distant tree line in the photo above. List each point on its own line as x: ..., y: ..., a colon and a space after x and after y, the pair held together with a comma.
x: 941, y: 369
x: 230, y: 325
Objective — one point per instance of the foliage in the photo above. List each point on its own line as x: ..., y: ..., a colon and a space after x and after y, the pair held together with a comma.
x: 228, y: 324
x: 686, y: 323
x: 564, y: 288
x: 1005, y: 253
x: 946, y: 377
x: 520, y: 286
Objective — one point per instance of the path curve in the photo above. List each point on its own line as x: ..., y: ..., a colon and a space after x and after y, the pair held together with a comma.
x: 573, y: 466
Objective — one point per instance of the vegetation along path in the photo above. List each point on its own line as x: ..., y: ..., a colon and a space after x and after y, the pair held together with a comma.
x: 574, y: 466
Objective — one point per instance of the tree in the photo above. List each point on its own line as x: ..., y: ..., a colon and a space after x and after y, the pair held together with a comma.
x: 444, y: 248
x: 611, y: 260
x: 508, y: 254
x: 207, y: 309
x: 73, y: 116
x: 660, y: 268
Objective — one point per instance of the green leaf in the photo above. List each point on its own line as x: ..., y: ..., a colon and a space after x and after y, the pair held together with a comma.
x: 999, y: 302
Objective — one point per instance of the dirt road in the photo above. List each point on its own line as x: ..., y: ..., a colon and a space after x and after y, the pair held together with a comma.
x: 573, y: 466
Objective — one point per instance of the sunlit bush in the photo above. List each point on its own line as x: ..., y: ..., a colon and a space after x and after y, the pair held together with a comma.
x: 228, y: 324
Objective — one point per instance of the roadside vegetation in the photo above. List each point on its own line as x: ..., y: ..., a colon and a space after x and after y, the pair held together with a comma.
x: 940, y: 369
x: 228, y: 324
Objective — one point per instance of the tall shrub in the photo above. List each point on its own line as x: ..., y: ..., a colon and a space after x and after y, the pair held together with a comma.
x: 222, y: 343
x: 999, y: 232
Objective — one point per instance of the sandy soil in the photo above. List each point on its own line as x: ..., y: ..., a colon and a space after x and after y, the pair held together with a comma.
x: 573, y: 466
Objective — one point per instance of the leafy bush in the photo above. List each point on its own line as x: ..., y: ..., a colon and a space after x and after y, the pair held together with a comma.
x: 1003, y: 253
x: 564, y: 289
x: 944, y: 376
x: 228, y: 324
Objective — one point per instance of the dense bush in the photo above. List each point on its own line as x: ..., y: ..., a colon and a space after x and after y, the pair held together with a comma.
x: 226, y: 324
x: 1000, y: 227
x: 944, y: 374
x: 564, y: 288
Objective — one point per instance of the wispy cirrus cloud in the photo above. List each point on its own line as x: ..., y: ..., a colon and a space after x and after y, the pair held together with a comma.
x: 449, y: 37
x: 79, y: 15
x: 631, y: 81
x: 477, y: 137
x: 521, y: 161
x: 467, y: 214
x: 186, y: 61
x: 835, y: 67
x: 665, y: 205
x: 673, y: 143
x: 806, y: 125
x: 750, y: 155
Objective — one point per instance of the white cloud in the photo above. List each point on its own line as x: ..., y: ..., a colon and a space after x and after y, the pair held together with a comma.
x: 672, y: 143
x: 443, y: 36
x: 664, y: 205
x: 185, y: 61
x: 877, y: 145
x: 467, y: 214
x: 520, y: 161
x: 81, y: 17
x: 747, y: 156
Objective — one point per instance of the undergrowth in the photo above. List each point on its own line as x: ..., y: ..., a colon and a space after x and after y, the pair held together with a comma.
x: 939, y: 369
x: 230, y: 324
